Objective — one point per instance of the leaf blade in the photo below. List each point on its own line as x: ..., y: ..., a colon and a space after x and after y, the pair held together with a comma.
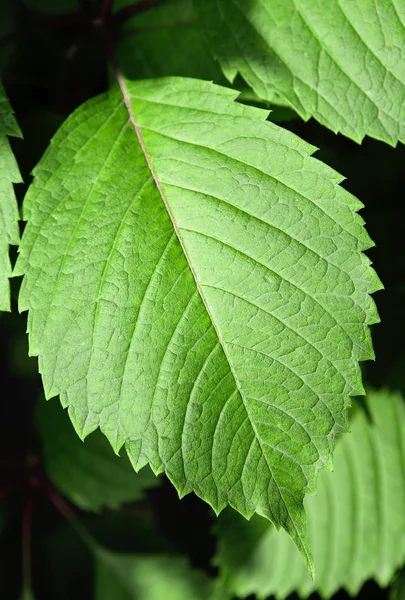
x: 150, y: 320
x: 343, y: 66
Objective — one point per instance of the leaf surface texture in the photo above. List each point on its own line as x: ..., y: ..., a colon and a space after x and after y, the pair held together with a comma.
x: 197, y: 289
x: 344, y: 65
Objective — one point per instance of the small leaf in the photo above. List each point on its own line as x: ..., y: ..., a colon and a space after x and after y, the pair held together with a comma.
x: 148, y: 577
x: 356, y: 521
x: 345, y: 65
x: 196, y: 288
x: 9, y: 174
x: 88, y: 473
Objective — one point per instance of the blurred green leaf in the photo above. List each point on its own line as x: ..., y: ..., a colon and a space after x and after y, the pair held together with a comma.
x: 397, y: 589
x: 148, y: 577
x: 27, y: 595
x: 88, y: 473
x: 356, y: 521
x: 166, y: 40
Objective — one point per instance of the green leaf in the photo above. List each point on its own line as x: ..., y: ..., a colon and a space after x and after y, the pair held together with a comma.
x: 148, y: 577
x: 88, y: 473
x: 9, y: 174
x: 356, y: 521
x: 344, y: 65
x: 148, y: 41
x: 397, y: 588
x: 196, y: 288
x: 277, y: 113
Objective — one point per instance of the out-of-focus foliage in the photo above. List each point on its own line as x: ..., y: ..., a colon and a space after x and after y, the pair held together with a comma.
x: 356, y: 520
x: 88, y: 473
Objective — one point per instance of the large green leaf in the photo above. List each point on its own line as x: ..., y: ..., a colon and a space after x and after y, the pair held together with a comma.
x: 356, y: 521
x: 148, y: 577
x: 88, y: 473
x: 342, y: 63
x: 196, y: 288
x: 9, y: 174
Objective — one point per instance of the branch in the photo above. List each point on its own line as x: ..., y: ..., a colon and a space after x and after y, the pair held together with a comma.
x: 69, y: 514
x: 105, y: 11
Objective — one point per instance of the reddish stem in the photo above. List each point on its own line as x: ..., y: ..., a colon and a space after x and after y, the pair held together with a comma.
x: 60, y: 503
x: 66, y: 511
x: 105, y: 10
x: 82, y: 18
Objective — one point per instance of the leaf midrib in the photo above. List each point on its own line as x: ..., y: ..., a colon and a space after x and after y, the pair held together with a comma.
x: 142, y: 144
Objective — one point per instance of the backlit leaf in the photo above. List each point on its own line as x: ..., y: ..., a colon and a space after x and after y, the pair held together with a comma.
x: 342, y: 62
x: 197, y: 289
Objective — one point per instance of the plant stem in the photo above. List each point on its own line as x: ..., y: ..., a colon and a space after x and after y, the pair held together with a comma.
x: 80, y: 18
x: 68, y: 513
x: 26, y: 541
x: 105, y: 11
